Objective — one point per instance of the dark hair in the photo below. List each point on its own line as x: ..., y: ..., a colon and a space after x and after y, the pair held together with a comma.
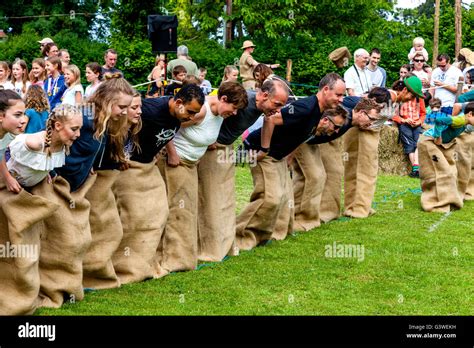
x: 443, y: 56
x: 367, y: 104
x: 264, y: 71
x: 435, y: 103
x: 178, y: 69
x: 235, y: 93
x: 329, y: 80
x: 190, y: 92
x: 337, y: 111
x: 408, y: 67
x: 56, y: 61
x: 380, y: 94
x: 375, y: 50
x: 47, y: 48
x: 96, y: 68
x: 469, y: 107
x: 398, y: 86
x: 5, y: 96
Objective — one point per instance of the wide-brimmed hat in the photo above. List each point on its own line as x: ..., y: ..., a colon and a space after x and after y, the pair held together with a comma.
x: 414, y: 85
x: 468, y: 54
x: 46, y: 40
x: 247, y: 44
x: 340, y: 56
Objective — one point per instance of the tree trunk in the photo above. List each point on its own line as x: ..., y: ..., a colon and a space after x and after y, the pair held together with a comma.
x: 458, y: 27
x: 436, y: 33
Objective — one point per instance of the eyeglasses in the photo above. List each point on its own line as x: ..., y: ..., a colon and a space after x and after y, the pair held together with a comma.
x: 368, y: 116
x: 419, y: 60
x: 336, y: 126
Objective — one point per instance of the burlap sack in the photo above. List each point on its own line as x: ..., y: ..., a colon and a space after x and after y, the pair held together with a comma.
x: 286, y: 217
x: 463, y: 157
x: 360, y: 171
x: 438, y: 176
x: 469, y: 196
x: 106, y: 231
x: 216, y: 203
x: 179, y: 242
x: 140, y: 193
x: 256, y: 223
x: 330, y: 207
x: 21, y: 223
x: 64, y: 241
x: 309, y: 177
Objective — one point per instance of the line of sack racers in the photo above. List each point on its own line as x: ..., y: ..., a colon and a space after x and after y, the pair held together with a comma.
x: 143, y: 190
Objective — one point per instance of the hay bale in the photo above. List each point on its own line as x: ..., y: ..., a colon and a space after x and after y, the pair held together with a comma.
x: 392, y: 160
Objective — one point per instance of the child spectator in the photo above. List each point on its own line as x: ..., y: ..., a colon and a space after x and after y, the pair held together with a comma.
x: 74, y: 92
x: 231, y: 73
x: 5, y: 76
x: 54, y: 85
x: 38, y: 72
x: 179, y: 74
x: 205, y: 84
x: 435, y: 111
x: 20, y: 77
x: 405, y: 69
x: 418, y: 46
x: 94, y: 77
x: 37, y: 109
x: 409, y: 119
x: 261, y: 73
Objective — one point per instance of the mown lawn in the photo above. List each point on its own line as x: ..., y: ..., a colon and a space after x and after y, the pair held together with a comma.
x: 414, y: 263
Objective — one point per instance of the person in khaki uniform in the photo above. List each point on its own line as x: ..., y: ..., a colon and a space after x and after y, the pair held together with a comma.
x: 247, y: 65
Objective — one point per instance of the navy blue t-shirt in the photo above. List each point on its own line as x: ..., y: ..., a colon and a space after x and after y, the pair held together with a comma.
x: 159, y: 127
x: 349, y: 104
x: 299, y: 120
x: 82, y: 154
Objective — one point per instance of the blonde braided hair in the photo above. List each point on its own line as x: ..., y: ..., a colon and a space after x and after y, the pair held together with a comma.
x: 61, y: 113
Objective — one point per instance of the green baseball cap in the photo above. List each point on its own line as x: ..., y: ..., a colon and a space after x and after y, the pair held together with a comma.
x: 414, y: 85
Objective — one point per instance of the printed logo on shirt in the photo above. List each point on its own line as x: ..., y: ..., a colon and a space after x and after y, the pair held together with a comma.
x: 164, y: 136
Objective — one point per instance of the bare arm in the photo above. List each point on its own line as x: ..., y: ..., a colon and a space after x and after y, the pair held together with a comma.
x: 10, y: 181
x: 173, y: 157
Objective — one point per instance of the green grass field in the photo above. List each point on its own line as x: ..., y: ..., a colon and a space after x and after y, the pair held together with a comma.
x: 414, y: 263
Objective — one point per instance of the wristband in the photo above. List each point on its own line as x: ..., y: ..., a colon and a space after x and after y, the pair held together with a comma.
x: 264, y: 149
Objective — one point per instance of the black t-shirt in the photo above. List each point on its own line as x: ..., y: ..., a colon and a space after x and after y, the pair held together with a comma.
x: 234, y: 126
x: 299, y: 120
x: 173, y: 88
x: 349, y: 104
x: 159, y: 127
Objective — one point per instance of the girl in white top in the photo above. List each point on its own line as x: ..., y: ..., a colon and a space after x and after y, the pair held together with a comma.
x: 94, y: 77
x: 5, y: 76
x: 12, y: 118
x: 33, y: 156
x: 20, y: 77
x: 75, y: 91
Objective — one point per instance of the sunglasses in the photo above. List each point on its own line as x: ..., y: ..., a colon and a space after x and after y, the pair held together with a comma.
x: 419, y: 60
x: 336, y: 126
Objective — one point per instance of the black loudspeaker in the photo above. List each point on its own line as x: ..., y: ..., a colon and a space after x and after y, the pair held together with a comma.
x: 162, y: 32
